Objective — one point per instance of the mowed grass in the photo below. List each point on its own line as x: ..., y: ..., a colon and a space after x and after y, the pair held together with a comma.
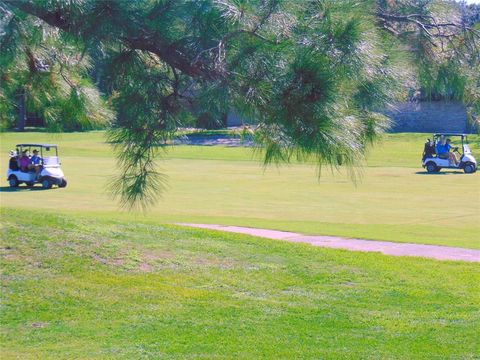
x: 394, y: 199
x: 77, y: 287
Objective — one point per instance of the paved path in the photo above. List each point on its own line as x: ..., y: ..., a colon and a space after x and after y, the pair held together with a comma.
x: 385, y: 247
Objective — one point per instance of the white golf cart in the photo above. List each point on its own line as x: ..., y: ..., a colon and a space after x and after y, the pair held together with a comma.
x: 50, y: 172
x: 433, y: 163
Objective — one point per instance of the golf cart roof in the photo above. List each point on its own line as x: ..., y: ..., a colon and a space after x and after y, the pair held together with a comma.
x: 450, y: 134
x: 37, y: 145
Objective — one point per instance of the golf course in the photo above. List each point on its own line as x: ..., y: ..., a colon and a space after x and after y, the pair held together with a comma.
x: 392, y: 197
x: 240, y: 179
x: 84, y: 278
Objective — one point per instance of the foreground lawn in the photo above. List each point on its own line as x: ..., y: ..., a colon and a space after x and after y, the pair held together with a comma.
x: 76, y: 287
x: 393, y: 200
x: 83, y: 288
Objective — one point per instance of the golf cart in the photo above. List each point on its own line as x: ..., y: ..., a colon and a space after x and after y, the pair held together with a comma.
x: 433, y: 163
x: 49, y: 171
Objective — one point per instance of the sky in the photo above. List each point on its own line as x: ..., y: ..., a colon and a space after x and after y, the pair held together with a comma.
x: 473, y: 1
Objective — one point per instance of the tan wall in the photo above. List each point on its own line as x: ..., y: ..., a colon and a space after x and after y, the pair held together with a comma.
x: 429, y: 116
x: 419, y: 116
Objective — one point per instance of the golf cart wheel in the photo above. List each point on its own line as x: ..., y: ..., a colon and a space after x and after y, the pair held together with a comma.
x: 13, y: 181
x: 63, y: 183
x: 469, y: 168
x: 432, y: 167
x: 46, y: 184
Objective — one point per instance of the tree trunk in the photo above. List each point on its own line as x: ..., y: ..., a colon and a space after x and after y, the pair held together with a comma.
x: 22, y: 111
x: 224, y: 120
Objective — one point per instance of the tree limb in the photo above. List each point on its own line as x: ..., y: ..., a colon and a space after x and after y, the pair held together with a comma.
x: 143, y: 39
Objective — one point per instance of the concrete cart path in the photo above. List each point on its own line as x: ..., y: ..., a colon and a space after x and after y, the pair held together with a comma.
x: 385, y: 247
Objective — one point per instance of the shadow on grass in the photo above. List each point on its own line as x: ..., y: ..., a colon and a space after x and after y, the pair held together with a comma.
x: 440, y: 173
x: 21, y: 188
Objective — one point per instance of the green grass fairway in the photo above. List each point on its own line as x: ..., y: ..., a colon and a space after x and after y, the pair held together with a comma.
x: 394, y: 200
x: 81, y: 288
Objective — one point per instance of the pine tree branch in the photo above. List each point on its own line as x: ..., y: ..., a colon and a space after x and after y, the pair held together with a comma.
x: 141, y: 38
x: 426, y: 23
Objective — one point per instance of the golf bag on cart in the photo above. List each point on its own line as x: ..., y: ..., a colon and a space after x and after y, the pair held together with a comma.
x: 428, y: 150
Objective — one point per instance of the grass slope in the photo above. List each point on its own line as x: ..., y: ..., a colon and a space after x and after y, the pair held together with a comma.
x: 78, y: 287
x: 393, y: 201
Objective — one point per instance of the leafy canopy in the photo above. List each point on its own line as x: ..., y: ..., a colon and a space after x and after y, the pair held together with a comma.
x: 312, y: 74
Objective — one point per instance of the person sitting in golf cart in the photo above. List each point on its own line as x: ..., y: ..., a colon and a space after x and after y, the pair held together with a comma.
x: 24, y: 162
x: 443, y: 151
x: 36, y: 162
